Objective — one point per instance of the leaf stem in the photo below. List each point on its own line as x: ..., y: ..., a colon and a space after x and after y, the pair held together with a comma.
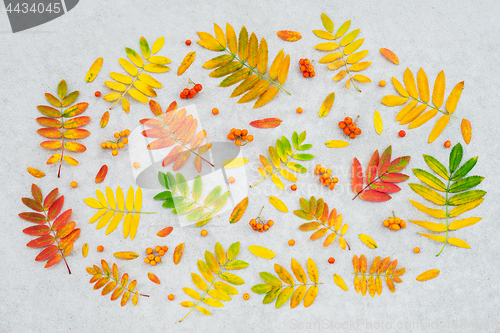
x: 55, y: 238
x: 369, y: 185
x: 345, y: 63
x: 206, y: 291
x: 62, y: 142
x: 334, y: 231
x: 303, y: 284
x: 135, y: 77
x: 257, y: 72
x: 433, y: 107
x: 446, y: 237
x: 192, y: 151
x: 127, y: 288
x: 128, y: 211
x: 277, y: 169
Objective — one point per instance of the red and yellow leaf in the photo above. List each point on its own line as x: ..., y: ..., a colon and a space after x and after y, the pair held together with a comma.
x: 238, y: 211
x: 153, y: 278
x: 35, y: 172
x: 104, y: 119
x: 289, y: 36
x: 357, y: 176
x: 266, y: 123
x: 390, y: 55
x: 164, y: 232
x: 103, y: 171
x: 179, y: 249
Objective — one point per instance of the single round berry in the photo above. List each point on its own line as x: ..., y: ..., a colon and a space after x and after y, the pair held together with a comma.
x: 352, y: 126
x: 306, y: 62
x: 114, y: 152
x: 108, y: 145
x: 302, y: 68
x: 291, y: 242
x: 299, y: 110
x: 73, y: 184
x: 161, y: 253
x: 342, y: 124
x: 331, y: 260
x: 127, y: 131
x: 231, y: 136
x: 237, y: 132
x: 157, y: 248
x: 335, y: 180
x: 310, y: 68
x: 215, y: 111
x: 447, y: 144
x: 352, y: 135
x: 125, y: 140
x: 136, y: 165
x: 188, y: 42
x: 203, y: 233
x: 198, y: 87
x: 100, y: 248
x: 402, y: 133
x: 253, y: 222
x: 121, y: 145
x: 416, y: 250
x: 381, y: 83
x: 301, y: 61
x: 158, y: 259
x: 357, y: 131
x: 97, y: 94
x: 305, y: 74
x: 171, y: 297
x: 116, y: 135
x: 164, y: 248
x: 231, y: 180
x: 114, y: 145
x: 146, y: 260
x: 149, y: 250
x: 151, y: 256
x: 152, y: 263
x: 238, y: 142
x: 246, y: 296
x: 103, y: 145
x: 192, y: 91
x: 312, y: 74
x: 182, y: 96
x: 266, y: 227
x: 244, y: 132
x: 250, y: 138
x: 347, y: 120
x: 293, y: 187
x: 270, y: 223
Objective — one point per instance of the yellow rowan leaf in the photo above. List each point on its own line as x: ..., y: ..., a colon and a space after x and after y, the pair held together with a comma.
x: 261, y: 252
x: 255, y: 92
x: 466, y: 130
x: 399, y: 87
x: 310, y: 296
x: 125, y: 79
x: 158, y: 45
x: 327, y: 105
x: 339, y: 282
x: 430, y: 225
x: 423, y: 85
x: 115, y: 85
x: 465, y: 207
x: 187, y: 61
x: 359, y: 66
x: 458, y: 242
x: 462, y: 223
x: 336, y: 64
x: 36, y: 173
x: 351, y: 48
x: 277, y: 181
x: 85, y: 250
x: 276, y: 65
x: 437, y: 213
x: 405, y: 110
x: 368, y: 241
x: 232, y: 42
x: 413, y: 114
x: 340, y: 75
x: 328, y: 46
x: 219, y: 34
x: 156, y: 68
x: 391, y: 100
x: 208, y: 41
x: 312, y: 271
x: 428, y: 275
x: 94, y: 70
x: 111, y: 97
x: 128, y: 66
x: 354, y: 58
x: 409, y: 81
x: 324, y: 34
x: 452, y: 101
x: 438, y: 91
x: 438, y: 128
x: 347, y: 39
x: 262, y: 56
x: 283, y: 72
x: 336, y: 144
x: 278, y: 204
x: 134, y: 225
x: 423, y: 118
x: 437, y: 238
x: 138, y: 96
x: 361, y: 78
x: 126, y: 255
x: 266, y: 97
x: 70, y: 160
x: 377, y: 121
x: 330, y: 57
x: 234, y: 162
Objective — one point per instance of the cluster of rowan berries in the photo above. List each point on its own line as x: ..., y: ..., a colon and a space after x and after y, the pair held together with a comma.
x: 306, y: 68
x: 349, y: 127
x: 260, y: 224
x: 154, y: 259
x: 189, y: 93
x: 240, y: 136
x: 121, y: 141
x: 326, y: 176
x: 394, y: 223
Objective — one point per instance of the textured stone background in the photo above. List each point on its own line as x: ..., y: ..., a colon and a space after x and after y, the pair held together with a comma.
x: 459, y: 37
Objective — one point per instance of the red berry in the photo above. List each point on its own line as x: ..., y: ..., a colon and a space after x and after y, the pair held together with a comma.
x: 402, y: 133
x: 188, y: 42
x: 97, y: 94
x: 192, y: 91
x: 185, y: 92
x: 183, y: 96
x: 198, y: 87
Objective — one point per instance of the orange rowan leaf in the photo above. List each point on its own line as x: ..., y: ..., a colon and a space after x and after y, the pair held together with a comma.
x: 36, y: 173
x: 153, y: 278
x: 266, y: 123
x: 466, y: 130
x: 179, y: 249
x: 289, y: 36
x: 164, y: 232
x: 104, y: 119
x: 390, y: 55
x: 103, y: 171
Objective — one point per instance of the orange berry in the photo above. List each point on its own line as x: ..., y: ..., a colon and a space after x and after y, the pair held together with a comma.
x: 157, y: 248
x: 149, y: 250
x: 237, y: 132
x: 306, y: 62
x: 347, y: 131
x: 254, y: 227
x: 116, y: 135
x: 158, y: 258
x: 203, y: 233
x: 253, y: 222
x: 171, y: 297
x: 231, y: 136
x: 121, y: 145
x: 243, y: 137
x: 192, y: 91
x: 103, y: 145
x: 127, y: 132
x: 266, y: 227
x: 122, y: 133
x: 114, y: 145
x: 348, y: 120
x: 331, y: 260
x: 108, y: 145
x: 231, y: 180
x: 152, y: 263
x: 161, y: 253
x: 299, y: 110
x: 447, y: 144
x: 244, y: 132
x: 310, y: 68
x: 321, y: 180
x: 198, y: 87
x: 136, y: 165
x: 352, y: 135
x: 352, y: 126
x: 97, y: 94
x: 395, y: 227
x: 357, y: 131
x: 301, y: 61
x: 302, y: 68
x: 318, y: 166
x: 291, y: 242
x: 232, y: 130
x: 416, y: 250
x: 73, y: 184
x: 385, y: 223
x: 100, y: 248
x: 151, y: 256
x: 293, y: 187
x: 328, y: 181
x: 164, y: 248
x: 215, y: 111
x: 335, y: 180
x: 381, y: 83
x: 125, y: 140
x: 238, y: 142
x: 246, y: 296
x: 188, y: 42
x: 322, y: 170
x: 312, y: 74
x: 402, y: 224
x: 402, y: 133
x: 250, y: 138
x: 259, y: 226
x: 342, y: 125
x: 270, y: 223
x: 332, y: 186
x: 146, y: 260
x: 114, y: 152
x: 305, y: 74
x: 316, y: 172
